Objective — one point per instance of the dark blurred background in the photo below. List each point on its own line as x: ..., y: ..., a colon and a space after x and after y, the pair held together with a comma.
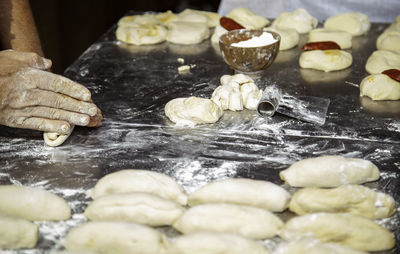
x: 67, y: 28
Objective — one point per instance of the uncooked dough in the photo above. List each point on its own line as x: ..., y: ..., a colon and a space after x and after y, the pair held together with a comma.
x: 166, y: 17
x: 325, y: 60
x: 192, y: 111
x: 289, y: 37
x: 347, y: 229
x: 389, y: 41
x: 139, y: 207
x: 312, y: 246
x: 17, y: 233
x: 353, y: 22
x: 247, y: 221
x: 241, y: 191
x: 211, y: 18
x: 354, y: 199
x: 183, y: 32
x: 329, y: 171
x: 342, y: 38
x: 300, y: 20
x: 247, y: 18
x: 132, y: 180
x: 380, y: 87
x: 32, y: 204
x: 138, y: 20
x: 141, y: 34
x: 382, y: 60
x: 56, y: 139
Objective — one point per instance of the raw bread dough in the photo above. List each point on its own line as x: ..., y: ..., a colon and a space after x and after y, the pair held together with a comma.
x: 312, y: 246
x: 257, y: 193
x: 134, y: 180
x: 56, y: 139
x: 389, y: 41
x: 215, y: 243
x: 354, y: 199
x: 139, y: 207
x: 353, y: 22
x: 192, y: 110
x: 394, y: 27
x: 342, y: 38
x: 183, y: 32
x: 166, y: 17
x: 347, y: 229
x: 32, y: 204
x: 219, y: 30
x: 17, y: 233
x: 139, y: 20
x: 289, y: 37
x: 329, y: 171
x: 247, y: 221
x: 247, y: 18
x: 116, y: 238
x: 300, y: 20
x: 382, y: 60
x: 380, y: 87
x: 326, y: 60
x: 141, y: 34
x: 190, y: 15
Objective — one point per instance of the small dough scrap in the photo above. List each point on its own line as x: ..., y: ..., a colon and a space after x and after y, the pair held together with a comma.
x: 252, y: 222
x: 183, y: 32
x: 380, y: 87
x: 326, y: 60
x: 192, y: 111
x: 215, y: 243
x: 389, y: 41
x: 138, y: 207
x: 354, y: 199
x: 289, y: 37
x: 56, y: 139
x: 247, y: 18
x: 116, y: 238
x: 381, y: 60
x: 135, y: 180
x: 167, y: 17
x: 312, y: 246
x: 342, y: 38
x: 329, y: 171
x: 17, y: 233
x: 32, y: 204
x: 141, y: 34
x: 211, y: 18
x: 347, y: 229
x: 241, y: 191
x: 300, y: 20
x: 355, y: 23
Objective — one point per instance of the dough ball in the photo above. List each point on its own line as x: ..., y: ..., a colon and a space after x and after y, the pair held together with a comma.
x: 166, y: 18
x: 326, y: 60
x: 139, y: 207
x: 300, y: 20
x: 192, y: 110
x: 211, y: 18
x: 132, y: 180
x: 17, y: 233
x: 380, y: 87
x: 353, y: 22
x: 342, y: 38
x: 139, y: 20
x: 347, y: 229
x: 183, y: 32
x: 354, y: 199
x: 215, y: 243
x: 56, y: 139
x: 382, y: 60
x: 32, y: 204
x: 289, y: 37
x: 389, y: 41
x: 394, y: 27
x: 329, y: 171
x: 247, y: 18
x: 312, y: 246
x: 141, y: 35
x: 116, y: 238
x: 242, y: 191
x: 247, y: 221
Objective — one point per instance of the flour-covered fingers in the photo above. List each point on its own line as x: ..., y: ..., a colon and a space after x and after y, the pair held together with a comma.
x: 36, y: 123
x: 55, y: 114
x: 18, y: 60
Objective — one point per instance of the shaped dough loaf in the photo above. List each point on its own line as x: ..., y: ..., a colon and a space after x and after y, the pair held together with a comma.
x: 342, y: 38
x: 380, y: 87
x: 247, y: 18
x: 247, y: 221
x: 32, y: 204
x: 56, y: 139
x: 382, y: 60
x: 326, y: 60
x: 184, y: 32
x: 389, y: 41
x: 300, y: 20
x: 17, y: 233
x: 353, y: 22
x: 347, y: 229
x: 312, y: 246
x: 249, y: 192
x: 289, y: 37
x: 329, y: 171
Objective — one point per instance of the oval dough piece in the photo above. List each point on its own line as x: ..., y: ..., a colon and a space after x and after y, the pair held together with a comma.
x: 347, y: 229
x: 141, y: 34
x: 353, y: 22
x: 116, y: 238
x: 56, y: 139
x: 300, y: 20
x: 380, y: 87
x: 17, y: 233
x: 289, y: 37
x: 342, y: 38
x: 326, y: 60
x: 354, y: 199
x: 382, y: 60
x: 166, y: 17
x: 389, y: 41
x: 139, y: 20
x: 32, y: 204
x: 247, y: 18
x: 257, y: 193
x: 139, y: 207
x: 215, y: 243
x: 312, y: 246
x: 247, y: 221
x: 329, y: 171
x: 134, y: 180
x: 183, y: 32
x: 211, y: 18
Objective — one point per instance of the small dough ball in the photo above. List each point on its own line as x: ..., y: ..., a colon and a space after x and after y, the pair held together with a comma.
x: 389, y: 41
x: 17, y: 233
x: 342, y: 38
x: 329, y: 171
x: 354, y: 199
x: 141, y: 35
x: 247, y: 221
x: 380, y: 87
x: 32, y: 204
x: 166, y: 18
x: 134, y: 180
x: 300, y: 20
x: 382, y: 60
x: 56, y: 139
x: 347, y: 229
x: 353, y: 22
x: 215, y: 243
x: 289, y: 37
x: 312, y: 246
x: 183, y: 32
x: 326, y: 60
x: 257, y: 193
x: 116, y: 238
x: 247, y: 18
